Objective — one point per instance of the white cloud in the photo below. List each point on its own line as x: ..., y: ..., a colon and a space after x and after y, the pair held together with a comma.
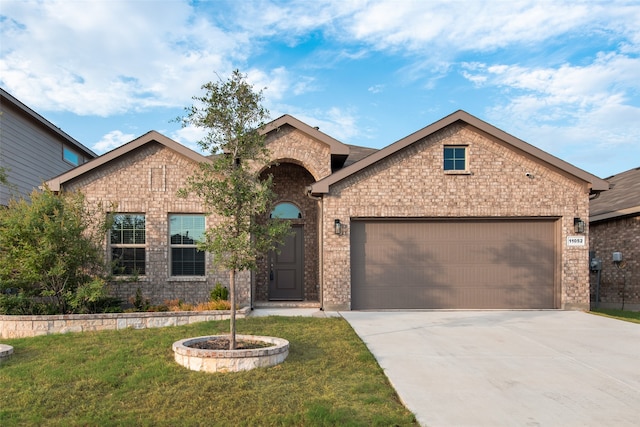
x: 111, y: 140
x: 545, y: 93
x: 465, y: 25
x: 103, y: 58
x: 189, y: 137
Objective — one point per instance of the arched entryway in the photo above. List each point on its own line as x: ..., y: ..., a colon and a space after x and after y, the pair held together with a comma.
x: 291, y: 274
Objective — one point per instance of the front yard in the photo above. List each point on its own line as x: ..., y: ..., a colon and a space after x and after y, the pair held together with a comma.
x: 129, y: 377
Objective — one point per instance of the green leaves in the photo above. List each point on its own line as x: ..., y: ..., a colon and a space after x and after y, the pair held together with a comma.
x: 50, y: 247
x: 230, y: 185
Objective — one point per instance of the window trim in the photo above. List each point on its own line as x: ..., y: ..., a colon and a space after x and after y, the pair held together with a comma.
x: 466, y: 170
x: 128, y: 246
x: 186, y: 277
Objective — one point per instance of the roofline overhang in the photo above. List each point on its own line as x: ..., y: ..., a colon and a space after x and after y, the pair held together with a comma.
x: 56, y: 183
x: 46, y: 123
x: 595, y: 184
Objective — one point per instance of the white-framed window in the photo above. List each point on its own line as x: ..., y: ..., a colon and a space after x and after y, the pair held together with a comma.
x: 185, y: 232
x: 70, y: 156
x: 128, y: 244
x: 455, y: 158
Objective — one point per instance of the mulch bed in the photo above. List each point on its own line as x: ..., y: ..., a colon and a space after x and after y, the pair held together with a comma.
x: 223, y: 344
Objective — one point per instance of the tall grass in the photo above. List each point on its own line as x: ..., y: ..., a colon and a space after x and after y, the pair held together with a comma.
x: 129, y: 377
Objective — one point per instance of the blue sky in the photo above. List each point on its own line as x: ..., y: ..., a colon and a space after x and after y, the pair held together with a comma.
x: 561, y: 75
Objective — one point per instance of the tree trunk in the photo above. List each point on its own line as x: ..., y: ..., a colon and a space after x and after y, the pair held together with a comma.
x: 232, y: 320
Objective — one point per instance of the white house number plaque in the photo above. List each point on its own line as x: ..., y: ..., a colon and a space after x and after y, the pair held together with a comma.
x: 576, y: 241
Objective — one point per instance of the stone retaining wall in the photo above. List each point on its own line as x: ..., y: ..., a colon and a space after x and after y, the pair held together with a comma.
x: 31, y: 326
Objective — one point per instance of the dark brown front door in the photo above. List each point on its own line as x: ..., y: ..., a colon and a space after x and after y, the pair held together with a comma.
x: 286, y: 268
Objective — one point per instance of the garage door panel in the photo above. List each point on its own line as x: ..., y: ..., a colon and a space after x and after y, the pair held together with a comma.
x: 453, y: 264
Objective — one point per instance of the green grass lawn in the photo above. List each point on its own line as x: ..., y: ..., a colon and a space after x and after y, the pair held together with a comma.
x: 629, y: 316
x: 129, y: 378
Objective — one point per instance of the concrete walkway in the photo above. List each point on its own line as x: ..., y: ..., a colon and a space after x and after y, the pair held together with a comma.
x: 508, y: 368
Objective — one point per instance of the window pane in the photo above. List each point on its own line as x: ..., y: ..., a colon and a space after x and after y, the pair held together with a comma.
x: 186, y: 229
x: 454, y: 158
x: 127, y: 261
x: 448, y: 165
x: 128, y: 229
x: 187, y: 262
x: 286, y: 211
x: 70, y: 156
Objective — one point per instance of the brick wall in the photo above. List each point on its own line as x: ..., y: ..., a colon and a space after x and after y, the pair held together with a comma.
x: 621, y: 283
x: 411, y: 183
x: 290, y: 145
x: 146, y: 182
x: 290, y: 181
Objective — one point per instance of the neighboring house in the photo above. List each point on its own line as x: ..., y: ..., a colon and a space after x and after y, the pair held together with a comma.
x: 32, y: 149
x: 614, y: 226
x: 457, y: 215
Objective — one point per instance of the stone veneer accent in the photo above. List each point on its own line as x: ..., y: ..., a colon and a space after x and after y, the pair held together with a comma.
x: 617, y: 235
x: 31, y: 326
x: 412, y: 183
x: 230, y: 360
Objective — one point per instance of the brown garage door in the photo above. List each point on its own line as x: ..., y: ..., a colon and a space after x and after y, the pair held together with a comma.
x: 469, y: 264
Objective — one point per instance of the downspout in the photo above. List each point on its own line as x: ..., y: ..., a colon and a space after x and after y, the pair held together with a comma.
x: 319, y: 200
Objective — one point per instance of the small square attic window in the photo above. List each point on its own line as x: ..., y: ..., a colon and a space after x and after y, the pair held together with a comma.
x: 455, y: 158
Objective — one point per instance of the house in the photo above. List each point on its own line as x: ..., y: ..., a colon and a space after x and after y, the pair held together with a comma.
x: 614, y: 227
x: 32, y: 149
x: 456, y: 215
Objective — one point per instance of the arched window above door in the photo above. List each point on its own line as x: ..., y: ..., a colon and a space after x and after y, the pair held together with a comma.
x: 286, y: 210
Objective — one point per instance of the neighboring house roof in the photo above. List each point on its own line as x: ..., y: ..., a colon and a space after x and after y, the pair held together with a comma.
x: 151, y: 136
x: 596, y: 183
x: 623, y: 199
x: 7, y: 97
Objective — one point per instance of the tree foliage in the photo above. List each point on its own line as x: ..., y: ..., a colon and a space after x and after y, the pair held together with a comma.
x: 230, y: 184
x: 51, y: 258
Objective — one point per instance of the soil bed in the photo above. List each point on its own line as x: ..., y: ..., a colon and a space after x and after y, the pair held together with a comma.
x: 223, y: 344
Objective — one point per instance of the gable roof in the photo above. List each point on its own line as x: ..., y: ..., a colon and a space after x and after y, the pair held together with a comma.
x: 151, y: 136
x: 597, y: 184
x: 46, y: 124
x: 337, y: 147
x: 339, y: 151
x: 623, y: 199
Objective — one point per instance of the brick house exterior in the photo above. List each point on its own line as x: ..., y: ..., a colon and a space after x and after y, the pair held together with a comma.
x: 614, y: 225
x: 497, y: 192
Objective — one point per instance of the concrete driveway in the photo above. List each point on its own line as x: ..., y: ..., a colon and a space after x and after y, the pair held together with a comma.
x: 508, y: 368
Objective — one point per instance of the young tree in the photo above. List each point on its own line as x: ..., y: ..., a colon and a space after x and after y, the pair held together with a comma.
x: 50, y: 250
x: 230, y: 185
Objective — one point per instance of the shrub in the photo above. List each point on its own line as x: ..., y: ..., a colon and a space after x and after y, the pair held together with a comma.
x: 51, y: 252
x: 140, y: 303
x: 219, y: 293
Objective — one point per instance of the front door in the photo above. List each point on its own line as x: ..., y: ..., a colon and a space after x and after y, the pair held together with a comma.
x: 286, y: 267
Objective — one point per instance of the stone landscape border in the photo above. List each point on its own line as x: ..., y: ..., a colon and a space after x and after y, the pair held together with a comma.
x: 5, y: 352
x: 31, y: 326
x: 230, y: 360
